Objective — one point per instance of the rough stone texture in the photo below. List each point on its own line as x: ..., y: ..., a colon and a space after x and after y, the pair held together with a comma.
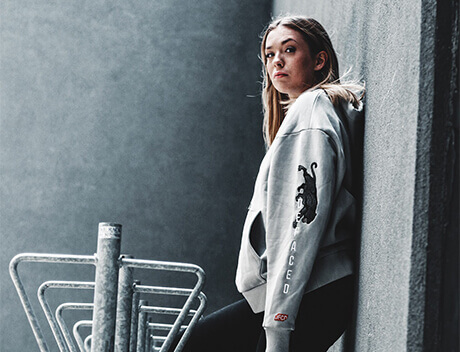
x: 407, y: 54
x: 380, y: 40
x: 434, y: 289
x: 145, y: 113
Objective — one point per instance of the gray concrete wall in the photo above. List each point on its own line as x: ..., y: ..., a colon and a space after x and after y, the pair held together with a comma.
x: 409, y: 163
x: 380, y: 40
x: 135, y: 112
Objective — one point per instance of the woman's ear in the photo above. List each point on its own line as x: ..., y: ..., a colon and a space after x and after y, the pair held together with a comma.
x: 321, y: 59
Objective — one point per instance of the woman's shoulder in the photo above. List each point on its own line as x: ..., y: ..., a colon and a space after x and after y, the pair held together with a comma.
x: 311, y: 102
x: 309, y: 98
x: 312, y: 109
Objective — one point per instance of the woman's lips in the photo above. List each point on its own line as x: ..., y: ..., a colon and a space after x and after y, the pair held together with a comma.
x: 280, y: 74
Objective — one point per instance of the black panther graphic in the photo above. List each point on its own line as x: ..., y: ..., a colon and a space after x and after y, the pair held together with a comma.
x: 306, y: 192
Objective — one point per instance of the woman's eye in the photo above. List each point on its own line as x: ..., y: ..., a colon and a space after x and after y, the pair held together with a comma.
x: 290, y: 49
x: 268, y: 55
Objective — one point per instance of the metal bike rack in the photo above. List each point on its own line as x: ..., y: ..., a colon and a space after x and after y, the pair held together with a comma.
x: 120, y: 317
x: 78, y: 336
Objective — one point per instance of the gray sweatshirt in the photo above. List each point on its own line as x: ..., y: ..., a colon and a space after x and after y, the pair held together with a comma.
x: 299, y: 231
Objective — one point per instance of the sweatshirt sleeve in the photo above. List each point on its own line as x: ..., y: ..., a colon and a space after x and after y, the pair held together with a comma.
x: 300, y: 193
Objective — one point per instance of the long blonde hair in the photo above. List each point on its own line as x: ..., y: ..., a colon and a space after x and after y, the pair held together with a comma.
x: 275, y: 103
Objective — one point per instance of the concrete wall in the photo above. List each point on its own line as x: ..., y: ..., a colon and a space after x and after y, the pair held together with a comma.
x: 135, y: 112
x: 373, y: 38
x: 138, y: 112
x: 406, y: 51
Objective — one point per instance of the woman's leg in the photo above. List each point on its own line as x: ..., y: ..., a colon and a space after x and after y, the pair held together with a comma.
x: 323, y: 316
x: 232, y: 328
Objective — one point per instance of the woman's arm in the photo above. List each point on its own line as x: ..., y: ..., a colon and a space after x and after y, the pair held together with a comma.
x: 300, y: 192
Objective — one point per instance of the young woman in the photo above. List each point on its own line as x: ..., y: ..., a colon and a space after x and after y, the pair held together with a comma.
x: 296, y: 259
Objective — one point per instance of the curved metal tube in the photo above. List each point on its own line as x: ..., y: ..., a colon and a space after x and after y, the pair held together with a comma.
x: 172, y: 266
x: 77, y: 335
x: 203, y: 303
x: 88, y: 343
x: 62, y: 324
x: 40, y: 258
x: 47, y: 310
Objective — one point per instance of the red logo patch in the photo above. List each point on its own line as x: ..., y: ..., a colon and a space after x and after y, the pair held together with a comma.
x: 281, y: 317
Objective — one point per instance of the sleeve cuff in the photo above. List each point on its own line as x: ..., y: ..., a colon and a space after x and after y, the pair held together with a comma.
x: 277, y: 340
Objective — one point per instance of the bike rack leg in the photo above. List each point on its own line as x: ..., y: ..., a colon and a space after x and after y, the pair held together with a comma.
x: 124, y: 307
x: 105, y: 292
x: 148, y: 336
x: 141, y: 329
x: 134, y: 320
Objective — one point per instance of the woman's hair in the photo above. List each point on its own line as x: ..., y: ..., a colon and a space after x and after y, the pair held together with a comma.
x: 275, y: 103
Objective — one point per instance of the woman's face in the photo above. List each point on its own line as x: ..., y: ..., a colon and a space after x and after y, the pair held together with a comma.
x: 289, y: 63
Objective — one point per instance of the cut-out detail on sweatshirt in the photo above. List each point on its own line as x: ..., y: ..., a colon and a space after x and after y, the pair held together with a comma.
x: 257, y: 235
x: 306, y: 197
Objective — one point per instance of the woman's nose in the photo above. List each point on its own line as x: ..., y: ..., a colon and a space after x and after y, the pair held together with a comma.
x: 278, y: 61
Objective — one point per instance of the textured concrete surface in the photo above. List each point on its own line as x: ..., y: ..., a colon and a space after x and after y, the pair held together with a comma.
x: 144, y: 113
x: 391, y: 45
x: 435, y: 248
x: 380, y: 41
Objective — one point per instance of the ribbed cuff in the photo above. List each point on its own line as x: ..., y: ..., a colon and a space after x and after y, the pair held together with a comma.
x: 277, y: 340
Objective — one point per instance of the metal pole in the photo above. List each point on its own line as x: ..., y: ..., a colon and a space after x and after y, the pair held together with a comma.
x: 124, y: 307
x: 203, y: 303
x: 142, y: 327
x: 105, y: 292
x: 136, y: 263
x: 134, y: 319
x: 148, y: 337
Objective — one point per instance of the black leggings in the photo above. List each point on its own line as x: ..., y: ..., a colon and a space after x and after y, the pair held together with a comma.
x: 322, y: 318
